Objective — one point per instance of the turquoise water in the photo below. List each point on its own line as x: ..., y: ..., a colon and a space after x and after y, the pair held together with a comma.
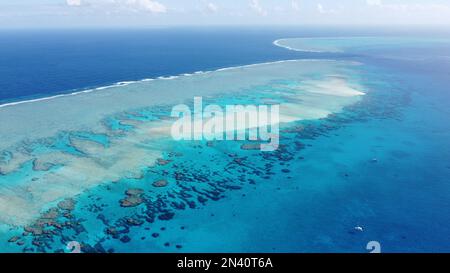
x: 359, y: 44
x: 379, y: 161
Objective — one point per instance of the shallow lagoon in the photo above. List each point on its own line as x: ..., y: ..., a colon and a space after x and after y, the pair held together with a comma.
x: 342, y: 167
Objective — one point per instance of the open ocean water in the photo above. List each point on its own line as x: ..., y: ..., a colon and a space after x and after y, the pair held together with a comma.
x: 377, y: 170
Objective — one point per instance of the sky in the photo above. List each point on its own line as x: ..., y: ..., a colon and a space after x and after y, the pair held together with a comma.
x: 143, y: 13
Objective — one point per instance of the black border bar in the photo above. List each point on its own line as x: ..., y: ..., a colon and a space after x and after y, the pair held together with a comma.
x: 234, y: 262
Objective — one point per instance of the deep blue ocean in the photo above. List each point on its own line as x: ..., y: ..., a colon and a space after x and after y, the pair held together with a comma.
x: 39, y: 63
x: 383, y: 165
x: 42, y: 63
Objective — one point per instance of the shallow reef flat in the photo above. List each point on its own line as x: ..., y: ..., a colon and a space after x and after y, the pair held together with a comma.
x: 356, y: 44
x: 57, y: 151
x: 83, y: 110
x: 99, y: 167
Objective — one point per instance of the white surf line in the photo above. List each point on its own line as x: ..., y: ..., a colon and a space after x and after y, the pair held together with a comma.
x: 68, y: 94
x: 125, y: 83
x: 277, y: 42
x: 387, y: 38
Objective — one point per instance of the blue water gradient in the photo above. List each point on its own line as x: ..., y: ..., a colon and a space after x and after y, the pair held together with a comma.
x: 382, y: 164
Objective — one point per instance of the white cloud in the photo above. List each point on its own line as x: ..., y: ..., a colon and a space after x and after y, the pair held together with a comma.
x: 321, y: 9
x: 374, y: 2
x: 211, y: 7
x: 148, y: 5
x: 295, y: 5
x: 256, y: 7
x: 411, y: 7
x: 112, y: 6
x: 73, y: 3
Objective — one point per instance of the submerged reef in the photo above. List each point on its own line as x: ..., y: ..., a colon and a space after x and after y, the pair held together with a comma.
x: 97, y: 185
